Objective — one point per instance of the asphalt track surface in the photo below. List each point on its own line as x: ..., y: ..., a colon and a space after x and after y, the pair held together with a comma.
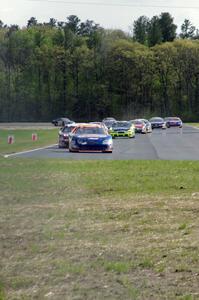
x: 169, y: 144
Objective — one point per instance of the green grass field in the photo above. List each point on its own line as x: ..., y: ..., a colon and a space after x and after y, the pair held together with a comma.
x: 193, y: 124
x: 23, y: 139
x: 99, y: 229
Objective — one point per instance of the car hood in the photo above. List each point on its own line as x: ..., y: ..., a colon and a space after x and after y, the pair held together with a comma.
x: 139, y: 125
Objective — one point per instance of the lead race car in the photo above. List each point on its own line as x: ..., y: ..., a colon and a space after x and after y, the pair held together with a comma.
x: 90, y: 137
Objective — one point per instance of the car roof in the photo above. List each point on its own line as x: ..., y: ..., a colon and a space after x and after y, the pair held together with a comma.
x: 121, y: 122
x: 138, y: 119
x: 108, y: 119
x: 172, y: 118
x: 86, y: 125
x: 156, y: 118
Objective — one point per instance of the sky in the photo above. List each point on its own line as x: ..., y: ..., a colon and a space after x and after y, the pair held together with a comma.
x: 112, y: 14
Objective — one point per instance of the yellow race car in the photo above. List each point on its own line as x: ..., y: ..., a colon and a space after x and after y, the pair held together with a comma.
x: 122, y: 129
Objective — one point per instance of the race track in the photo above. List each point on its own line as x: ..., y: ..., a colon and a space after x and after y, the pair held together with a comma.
x: 169, y: 144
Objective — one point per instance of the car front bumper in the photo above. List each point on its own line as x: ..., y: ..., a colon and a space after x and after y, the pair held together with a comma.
x: 63, y: 143
x: 91, y: 148
x: 122, y: 134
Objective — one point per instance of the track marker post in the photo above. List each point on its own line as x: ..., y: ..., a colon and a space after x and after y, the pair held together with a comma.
x: 34, y: 137
x: 11, y: 139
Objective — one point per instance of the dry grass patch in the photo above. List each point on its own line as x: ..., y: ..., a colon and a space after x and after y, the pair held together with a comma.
x: 61, y: 240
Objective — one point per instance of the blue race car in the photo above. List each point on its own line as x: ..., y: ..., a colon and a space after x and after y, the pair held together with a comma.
x: 90, y: 137
x: 173, y: 121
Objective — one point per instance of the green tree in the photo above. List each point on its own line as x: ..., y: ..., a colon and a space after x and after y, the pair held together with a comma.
x: 73, y: 23
x: 154, y: 32
x: 87, y: 28
x: 187, y: 30
x: 164, y: 57
x: 168, y: 28
x: 140, y: 30
x: 32, y: 22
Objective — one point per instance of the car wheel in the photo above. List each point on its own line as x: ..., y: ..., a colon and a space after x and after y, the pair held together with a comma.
x: 72, y: 151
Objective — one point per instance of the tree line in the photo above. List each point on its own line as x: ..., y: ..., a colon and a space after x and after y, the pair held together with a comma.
x: 85, y: 72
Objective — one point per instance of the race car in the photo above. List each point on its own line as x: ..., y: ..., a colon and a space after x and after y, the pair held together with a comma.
x: 148, y: 125
x: 90, y: 137
x: 122, y: 129
x: 173, y: 121
x: 140, y: 126
x: 64, y: 135
x: 62, y: 122
x: 157, y: 122
x: 108, y: 122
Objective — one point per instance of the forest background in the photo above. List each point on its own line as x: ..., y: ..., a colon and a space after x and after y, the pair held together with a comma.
x: 85, y: 72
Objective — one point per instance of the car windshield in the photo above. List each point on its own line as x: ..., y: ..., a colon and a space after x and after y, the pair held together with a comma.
x: 172, y: 119
x: 108, y: 123
x: 68, y: 129
x: 90, y: 130
x: 108, y: 119
x: 137, y: 122
x: 121, y: 124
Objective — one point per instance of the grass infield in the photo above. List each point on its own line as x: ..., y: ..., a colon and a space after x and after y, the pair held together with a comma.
x: 99, y: 230
x: 193, y: 124
x: 23, y: 139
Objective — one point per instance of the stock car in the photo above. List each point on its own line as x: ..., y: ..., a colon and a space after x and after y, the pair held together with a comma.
x: 140, y: 126
x: 90, y: 137
x: 157, y: 122
x: 61, y: 122
x: 148, y: 125
x: 122, y: 129
x: 108, y: 122
x: 64, y: 135
x: 173, y: 121
x: 99, y: 123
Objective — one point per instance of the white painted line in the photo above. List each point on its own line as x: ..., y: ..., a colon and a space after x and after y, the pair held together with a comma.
x: 28, y: 151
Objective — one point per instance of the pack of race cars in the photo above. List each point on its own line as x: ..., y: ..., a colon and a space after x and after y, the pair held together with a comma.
x: 98, y: 136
